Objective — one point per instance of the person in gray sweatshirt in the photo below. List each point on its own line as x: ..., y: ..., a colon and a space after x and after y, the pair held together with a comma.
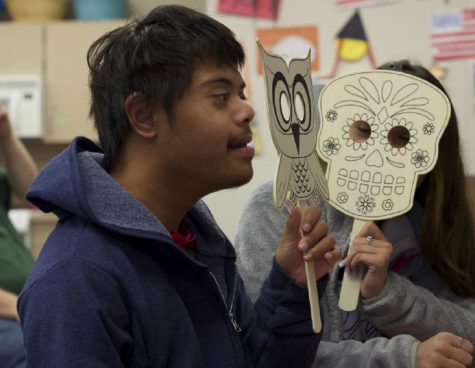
x: 417, y: 306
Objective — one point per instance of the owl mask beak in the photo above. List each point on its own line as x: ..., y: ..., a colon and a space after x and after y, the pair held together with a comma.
x: 296, y: 133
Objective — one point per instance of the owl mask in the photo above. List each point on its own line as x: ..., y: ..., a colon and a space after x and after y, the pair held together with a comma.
x: 293, y: 125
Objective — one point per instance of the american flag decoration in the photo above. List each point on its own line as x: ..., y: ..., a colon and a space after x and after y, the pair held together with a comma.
x: 362, y: 3
x: 453, y: 34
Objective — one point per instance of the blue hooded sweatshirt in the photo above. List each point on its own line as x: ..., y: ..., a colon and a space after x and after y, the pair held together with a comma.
x: 111, y: 289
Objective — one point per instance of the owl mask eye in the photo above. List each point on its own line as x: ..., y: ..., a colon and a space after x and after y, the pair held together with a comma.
x: 282, y: 103
x: 302, y: 102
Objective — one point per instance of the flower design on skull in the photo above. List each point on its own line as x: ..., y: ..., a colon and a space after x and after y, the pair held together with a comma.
x: 420, y: 158
x: 407, y: 127
x: 387, y: 205
x: 428, y: 128
x: 365, y: 204
x: 331, y: 115
x: 355, y: 119
x: 342, y: 197
x: 331, y: 146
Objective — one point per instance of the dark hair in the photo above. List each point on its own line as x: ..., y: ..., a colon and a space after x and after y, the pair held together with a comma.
x: 447, y: 233
x: 156, y: 56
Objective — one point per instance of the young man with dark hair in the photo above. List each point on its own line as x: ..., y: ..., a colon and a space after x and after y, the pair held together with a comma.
x: 137, y: 273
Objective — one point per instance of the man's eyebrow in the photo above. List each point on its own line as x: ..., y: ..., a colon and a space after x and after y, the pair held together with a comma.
x: 220, y: 80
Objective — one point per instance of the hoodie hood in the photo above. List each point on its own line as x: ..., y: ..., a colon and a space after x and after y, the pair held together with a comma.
x: 75, y: 184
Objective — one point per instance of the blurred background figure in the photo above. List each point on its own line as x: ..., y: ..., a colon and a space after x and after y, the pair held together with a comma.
x: 16, y: 260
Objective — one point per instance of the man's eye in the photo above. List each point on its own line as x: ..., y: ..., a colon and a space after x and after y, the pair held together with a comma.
x: 221, y: 97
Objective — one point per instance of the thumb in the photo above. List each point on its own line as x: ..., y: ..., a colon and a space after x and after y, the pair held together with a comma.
x: 292, y: 228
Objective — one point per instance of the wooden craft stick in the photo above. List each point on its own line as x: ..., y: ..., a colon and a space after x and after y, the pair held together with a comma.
x: 350, y: 288
x: 312, y: 285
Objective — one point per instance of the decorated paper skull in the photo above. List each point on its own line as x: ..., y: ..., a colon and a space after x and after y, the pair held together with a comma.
x: 379, y: 131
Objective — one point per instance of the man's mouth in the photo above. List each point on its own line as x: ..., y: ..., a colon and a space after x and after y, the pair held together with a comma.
x: 243, y: 142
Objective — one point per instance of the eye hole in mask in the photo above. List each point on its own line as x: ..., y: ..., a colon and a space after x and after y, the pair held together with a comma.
x: 399, y: 136
x: 360, y: 131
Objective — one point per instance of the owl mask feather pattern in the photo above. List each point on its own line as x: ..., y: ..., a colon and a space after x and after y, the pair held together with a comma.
x: 293, y: 125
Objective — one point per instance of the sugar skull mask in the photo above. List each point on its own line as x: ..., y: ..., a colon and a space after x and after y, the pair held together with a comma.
x: 379, y: 131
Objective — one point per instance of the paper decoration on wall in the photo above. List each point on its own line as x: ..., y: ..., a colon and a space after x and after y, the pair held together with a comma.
x: 472, y: 73
x: 439, y: 70
x: 453, y: 34
x: 379, y: 131
x: 352, y: 44
x: 292, y: 120
x: 362, y: 3
x: 268, y: 9
x: 290, y: 43
x: 245, y: 72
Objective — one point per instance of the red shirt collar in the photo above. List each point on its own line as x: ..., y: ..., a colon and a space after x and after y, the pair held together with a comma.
x: 183, y: 238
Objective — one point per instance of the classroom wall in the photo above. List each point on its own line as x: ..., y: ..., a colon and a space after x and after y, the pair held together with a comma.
x: 395, y: 31
x: 142, y: 7
x: 44, y: 152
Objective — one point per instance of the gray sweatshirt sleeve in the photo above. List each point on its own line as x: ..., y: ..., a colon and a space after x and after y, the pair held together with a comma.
x: 257, y: 236
x: 378, y: 352
x: 423, y: 305
x: 421, y: 308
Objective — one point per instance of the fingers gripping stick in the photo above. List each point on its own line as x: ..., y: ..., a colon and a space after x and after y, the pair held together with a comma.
x: 312, y: 285
x: 350, y: 288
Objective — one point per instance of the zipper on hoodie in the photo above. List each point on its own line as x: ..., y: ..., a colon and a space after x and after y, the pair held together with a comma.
x: 233, y: 299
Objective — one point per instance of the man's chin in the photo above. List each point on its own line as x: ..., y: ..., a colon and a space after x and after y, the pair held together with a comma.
x: 239, y: 182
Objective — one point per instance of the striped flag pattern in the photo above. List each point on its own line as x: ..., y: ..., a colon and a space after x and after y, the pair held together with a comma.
x: 453, y: 35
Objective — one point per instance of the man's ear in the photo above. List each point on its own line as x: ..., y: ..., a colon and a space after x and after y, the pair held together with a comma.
x: 140, y: 114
